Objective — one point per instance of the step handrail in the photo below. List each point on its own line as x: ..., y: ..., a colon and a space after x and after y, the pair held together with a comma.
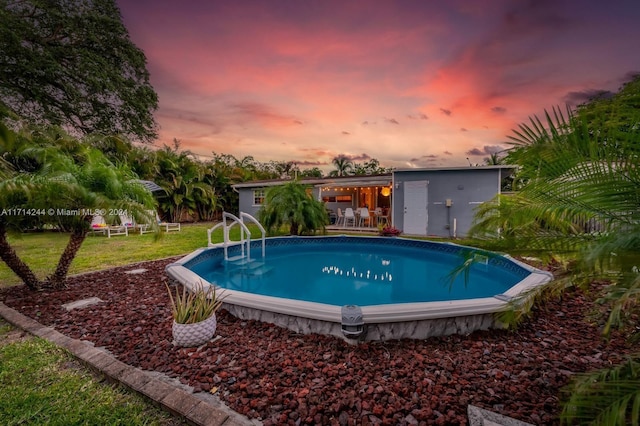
x: 243, y: 228
x: 243, y: 216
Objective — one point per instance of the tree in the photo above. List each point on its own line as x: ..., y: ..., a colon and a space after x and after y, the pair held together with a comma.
x: 614, y: 110
x: 291, y: 204
x: 312, y: 172
x: 222, y: 166
x: 207, y: 202
x: 372, y: 167
x: 183, y: 179
x: 581, y: 197
x: 284, y: 169
x: 493, y: 159
x: 359, y: 169
x: 344, y: 166
x: 63, y: 190
x: 72, y: 64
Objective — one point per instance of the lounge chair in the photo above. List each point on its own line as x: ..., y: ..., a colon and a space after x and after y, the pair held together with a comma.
x: 128, y: 222
x: 167, y: 226
x: 100, y: 226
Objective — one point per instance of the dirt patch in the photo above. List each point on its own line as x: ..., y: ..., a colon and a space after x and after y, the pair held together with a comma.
x: 9, y: 334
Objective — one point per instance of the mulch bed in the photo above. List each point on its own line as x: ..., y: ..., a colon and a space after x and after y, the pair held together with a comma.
x: 281, y: 377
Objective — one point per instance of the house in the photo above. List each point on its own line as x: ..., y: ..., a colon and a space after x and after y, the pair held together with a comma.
x: 434, y: 202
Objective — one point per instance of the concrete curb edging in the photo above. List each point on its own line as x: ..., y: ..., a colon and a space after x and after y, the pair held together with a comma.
x: 481, y: 417
x: 193, y: 410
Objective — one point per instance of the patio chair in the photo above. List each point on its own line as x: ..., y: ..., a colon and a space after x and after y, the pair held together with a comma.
x: 380, y: 216
x: 100, y: 226
x: 130, y: 223
x: 167, y: 226
x: 364, y: 216
x: 340, y: 217
x: 349, y: 216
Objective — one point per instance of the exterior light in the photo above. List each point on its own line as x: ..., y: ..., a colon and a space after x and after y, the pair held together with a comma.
x: 386, y: 191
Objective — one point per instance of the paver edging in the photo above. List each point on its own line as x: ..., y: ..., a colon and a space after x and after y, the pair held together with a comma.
x: 186, y: 405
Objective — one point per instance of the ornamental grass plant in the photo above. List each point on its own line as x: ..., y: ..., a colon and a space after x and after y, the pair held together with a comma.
x: 190, y: 307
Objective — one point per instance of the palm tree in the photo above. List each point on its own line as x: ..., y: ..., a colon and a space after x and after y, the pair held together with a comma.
x: 14, y: 193
x: 359, y: 169
x: 493, y: 159
x: 92, y: 184
x: 177, y: 172
x: 344, y: 166
x: 61, y: 183
x: 581, y: 198
x: 372, y: 167
x: 206, y: 199
x: 291, y: 204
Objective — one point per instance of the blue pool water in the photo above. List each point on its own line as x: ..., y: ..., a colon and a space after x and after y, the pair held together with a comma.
x: 360, y: 271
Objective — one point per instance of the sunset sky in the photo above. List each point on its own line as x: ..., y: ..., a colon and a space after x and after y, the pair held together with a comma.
x: 410, y: 83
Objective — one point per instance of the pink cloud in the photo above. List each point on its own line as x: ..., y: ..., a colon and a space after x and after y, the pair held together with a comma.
x: 278, y: 80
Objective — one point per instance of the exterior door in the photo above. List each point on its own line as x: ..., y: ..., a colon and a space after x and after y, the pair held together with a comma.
x: 415, y: 207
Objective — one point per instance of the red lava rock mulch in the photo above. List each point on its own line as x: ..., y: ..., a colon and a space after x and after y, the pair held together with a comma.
x: 281, y: 377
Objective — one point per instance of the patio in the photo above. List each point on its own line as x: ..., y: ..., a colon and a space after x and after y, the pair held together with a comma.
x: 369, y: 225
x: 358, y: 205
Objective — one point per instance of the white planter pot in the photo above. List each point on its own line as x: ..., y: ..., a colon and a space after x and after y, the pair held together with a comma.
x: 190, y: 335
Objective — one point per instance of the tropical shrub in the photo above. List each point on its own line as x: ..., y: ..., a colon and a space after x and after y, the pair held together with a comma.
x: 579, y: 200
x: 48, y: 184
x: 290, y: 204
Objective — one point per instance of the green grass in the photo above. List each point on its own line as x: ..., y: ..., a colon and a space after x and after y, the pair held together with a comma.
x: 41, y: 251
x: 42, y: 384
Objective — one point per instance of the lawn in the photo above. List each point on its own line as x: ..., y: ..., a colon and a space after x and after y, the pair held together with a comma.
x: 42, y: 250
x: 42, y: 384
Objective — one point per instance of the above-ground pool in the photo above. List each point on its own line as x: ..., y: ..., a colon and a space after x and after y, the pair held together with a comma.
x: 367, y: 288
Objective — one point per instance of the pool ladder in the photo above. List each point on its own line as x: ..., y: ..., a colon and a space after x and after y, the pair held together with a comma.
x: 228, y: 221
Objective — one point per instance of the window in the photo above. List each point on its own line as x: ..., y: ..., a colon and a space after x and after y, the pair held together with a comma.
x: 337, y: 198
x: 258, y: 197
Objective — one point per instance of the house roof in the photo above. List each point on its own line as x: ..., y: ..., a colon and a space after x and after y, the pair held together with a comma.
x: 378, y: 181
x: 358, y: 180
x: 469, y: 168
x: 362, y: 180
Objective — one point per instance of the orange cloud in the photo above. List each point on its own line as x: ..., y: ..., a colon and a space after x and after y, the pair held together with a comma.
x: 290, y: 80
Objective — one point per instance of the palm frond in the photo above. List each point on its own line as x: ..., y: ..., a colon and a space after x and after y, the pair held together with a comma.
x: 521, y: 308
x: 605, y: 397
